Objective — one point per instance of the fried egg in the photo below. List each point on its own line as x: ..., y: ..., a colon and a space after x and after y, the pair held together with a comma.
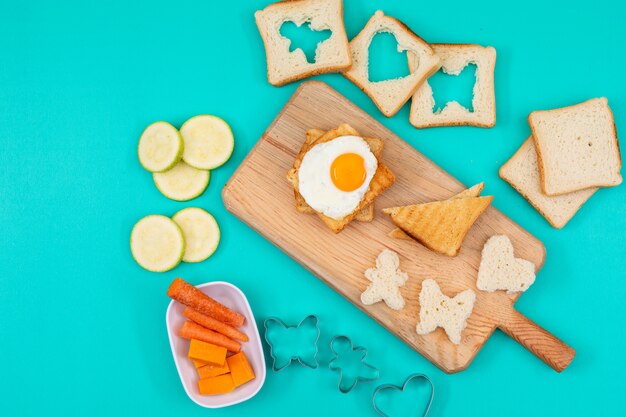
x: 334, y: 175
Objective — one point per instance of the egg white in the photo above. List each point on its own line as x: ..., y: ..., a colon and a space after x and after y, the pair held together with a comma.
x: 315, y: 183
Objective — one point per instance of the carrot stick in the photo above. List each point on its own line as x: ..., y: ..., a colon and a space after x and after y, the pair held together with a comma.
x: 211, y: 323
x: 191, y: 330
x: 187, y: 294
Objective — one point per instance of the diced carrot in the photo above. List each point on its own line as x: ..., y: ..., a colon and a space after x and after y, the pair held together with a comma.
x: 207, y: 352
x: 187, y: 294
x: 213, y: 324
x: 216, y: 385
x: 240, y: 368
x: 208, y: 371
x: 199, y: 364
x: 191, y: 330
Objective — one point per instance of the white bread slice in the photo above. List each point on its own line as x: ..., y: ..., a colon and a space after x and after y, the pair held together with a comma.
x: 386, y: 280
x: 439, y: 310
x: 390, y: 95
x: 522, y: 173
x: 455, y: 57
x: 500, y: 270
x: 577, y: 147
x: 331, y: 55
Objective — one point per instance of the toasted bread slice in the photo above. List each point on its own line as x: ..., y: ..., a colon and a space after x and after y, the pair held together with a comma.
x: 473, y: 191
x: 364, y: 215
x: 383, y: 178
x: 577, y: 147
x: 376, y: 145
x: 390, y: 95
x: 522, y: 173
x: 453, y: 59
x: 331, y: 55
x: 441, y: 225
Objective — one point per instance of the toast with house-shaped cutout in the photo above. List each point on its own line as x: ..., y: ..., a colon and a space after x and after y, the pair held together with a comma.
x: 331, y: 55
x: 390, y: 95
x: 454, y: 58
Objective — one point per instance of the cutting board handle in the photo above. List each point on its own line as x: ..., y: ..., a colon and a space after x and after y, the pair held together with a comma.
x: 539, y: 341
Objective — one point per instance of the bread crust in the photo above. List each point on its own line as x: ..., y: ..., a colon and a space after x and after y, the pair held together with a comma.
x: 542, y: 178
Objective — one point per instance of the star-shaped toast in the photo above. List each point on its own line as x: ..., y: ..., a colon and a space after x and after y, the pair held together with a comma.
x: 382, y: 179
x: 312, y: 135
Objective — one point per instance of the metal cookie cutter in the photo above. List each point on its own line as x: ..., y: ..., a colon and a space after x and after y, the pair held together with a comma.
x: 335, y: 367
x: 275, y: 368
x: 402, y: 388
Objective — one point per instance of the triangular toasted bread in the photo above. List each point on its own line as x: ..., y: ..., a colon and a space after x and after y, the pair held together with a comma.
x: 441, y: 225
x: 473, y: 191
x: 383, y: 178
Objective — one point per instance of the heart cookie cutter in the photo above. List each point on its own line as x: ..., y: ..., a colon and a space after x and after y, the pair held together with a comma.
x: 298, y: 358
x: 401, y: 389
x: 334, y: 367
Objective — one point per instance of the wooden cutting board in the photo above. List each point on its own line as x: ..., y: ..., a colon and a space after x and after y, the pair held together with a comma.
x: 259, y: 194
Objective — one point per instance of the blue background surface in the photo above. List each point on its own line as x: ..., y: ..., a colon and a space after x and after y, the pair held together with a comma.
x: 82, y: 328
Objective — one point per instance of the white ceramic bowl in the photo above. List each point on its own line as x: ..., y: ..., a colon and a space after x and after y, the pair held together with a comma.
x: 231, y: 297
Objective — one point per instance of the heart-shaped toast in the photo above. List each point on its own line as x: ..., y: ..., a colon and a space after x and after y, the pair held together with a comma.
x: 501, y: 270
x: 401, y: 389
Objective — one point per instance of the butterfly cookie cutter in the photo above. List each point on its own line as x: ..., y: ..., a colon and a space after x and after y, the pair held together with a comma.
x: 401, y: 389
x: 332, y: 366
x: 298, y: 358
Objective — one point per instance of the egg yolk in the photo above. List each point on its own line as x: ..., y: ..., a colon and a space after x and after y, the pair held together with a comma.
x: 348, y: 171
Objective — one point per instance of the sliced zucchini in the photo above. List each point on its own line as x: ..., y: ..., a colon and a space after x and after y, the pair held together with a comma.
x: 208, y: 141
x: 183, y: 182
x: 201, y: 232
x: 157, y: 243
x: 160, y: 147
